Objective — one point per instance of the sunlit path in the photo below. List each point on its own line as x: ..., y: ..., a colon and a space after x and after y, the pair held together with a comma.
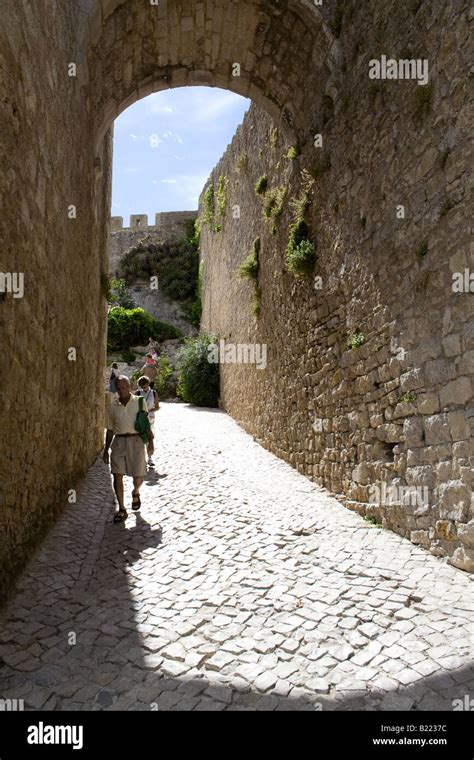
x: 239, y: 584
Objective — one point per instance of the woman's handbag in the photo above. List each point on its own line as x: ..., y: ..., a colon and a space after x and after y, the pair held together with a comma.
x: 142, y: 423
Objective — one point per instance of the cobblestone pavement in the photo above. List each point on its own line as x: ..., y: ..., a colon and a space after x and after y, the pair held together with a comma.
x: 240, y: 585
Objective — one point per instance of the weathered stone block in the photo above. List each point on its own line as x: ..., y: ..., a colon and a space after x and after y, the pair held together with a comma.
x: 459, y: 426
x: 437, y: 429
x: 457, y: 392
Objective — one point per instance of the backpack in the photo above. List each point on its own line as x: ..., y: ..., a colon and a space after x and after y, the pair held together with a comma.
x: 142, y: 423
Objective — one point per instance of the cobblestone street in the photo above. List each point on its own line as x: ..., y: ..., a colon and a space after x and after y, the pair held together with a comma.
x: 239, y: 585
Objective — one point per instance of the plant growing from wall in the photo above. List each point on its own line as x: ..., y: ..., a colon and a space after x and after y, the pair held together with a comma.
x: 209, y: 205
x: 274, y: 203
x: 261, y: 186
x: 356, y: 340
x: 249, y: 269
x: 301, y: 251
x: 221, y: 195
x: 274, y: 137
x: 293, y: 152
x: 215, y: 204
x: 242, y: 162
x: 407, y: 398
x: 198, y: 377
x: 422, y: 250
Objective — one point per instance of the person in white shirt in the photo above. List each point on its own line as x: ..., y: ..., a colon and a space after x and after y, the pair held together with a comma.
x: 128, y: 449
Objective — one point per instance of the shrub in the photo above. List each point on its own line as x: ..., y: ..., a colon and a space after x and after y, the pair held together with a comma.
x: 198, y: 377
x: 175, y: 264
x: 250, y: 267
x: 128, y: 356
x: 119, y: 295
x: 134, y: 327
x: 163, y: 375
x: 261, y: 185
x: 301, y: 252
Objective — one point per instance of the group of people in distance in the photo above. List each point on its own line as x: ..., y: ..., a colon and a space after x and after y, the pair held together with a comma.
x: 125, y: 449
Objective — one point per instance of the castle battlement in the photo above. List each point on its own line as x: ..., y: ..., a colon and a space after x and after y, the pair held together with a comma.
x: 163, y: 219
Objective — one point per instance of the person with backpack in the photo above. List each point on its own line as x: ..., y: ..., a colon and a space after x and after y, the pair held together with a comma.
x: 153, y: 403
x: 128, y: 433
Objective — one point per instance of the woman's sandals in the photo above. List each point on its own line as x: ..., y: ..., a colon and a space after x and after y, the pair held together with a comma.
x: 120, y: 516
x: 136, y: 503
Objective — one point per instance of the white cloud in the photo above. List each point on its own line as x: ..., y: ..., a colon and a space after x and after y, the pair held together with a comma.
x: 161, y: 109
x: 169, y: 181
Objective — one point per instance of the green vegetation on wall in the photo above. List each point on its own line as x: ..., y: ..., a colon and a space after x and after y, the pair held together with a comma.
x: 176, y: 266
x: 301, y: 251
x: 249, y: 269
x: 215, y: 204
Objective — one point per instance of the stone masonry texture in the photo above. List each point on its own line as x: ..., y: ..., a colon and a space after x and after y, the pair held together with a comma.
x: 398, y: 411
x: 387, y: 144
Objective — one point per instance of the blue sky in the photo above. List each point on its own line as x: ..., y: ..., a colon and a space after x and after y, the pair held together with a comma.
x: 190, y: 128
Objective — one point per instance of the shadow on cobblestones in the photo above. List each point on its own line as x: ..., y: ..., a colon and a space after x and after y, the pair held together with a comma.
x: 239, y: 585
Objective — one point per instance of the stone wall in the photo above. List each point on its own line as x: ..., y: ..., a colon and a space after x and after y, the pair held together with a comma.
x: 169, y: 227
x: 398, y: 410
x: 50, y: 408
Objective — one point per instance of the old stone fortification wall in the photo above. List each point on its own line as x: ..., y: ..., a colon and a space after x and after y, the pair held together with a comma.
x: 50, y: 408
x: 397, y: 410
x: 169, y: 227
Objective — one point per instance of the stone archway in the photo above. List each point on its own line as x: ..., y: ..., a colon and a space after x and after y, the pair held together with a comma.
x: 274, y: 53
